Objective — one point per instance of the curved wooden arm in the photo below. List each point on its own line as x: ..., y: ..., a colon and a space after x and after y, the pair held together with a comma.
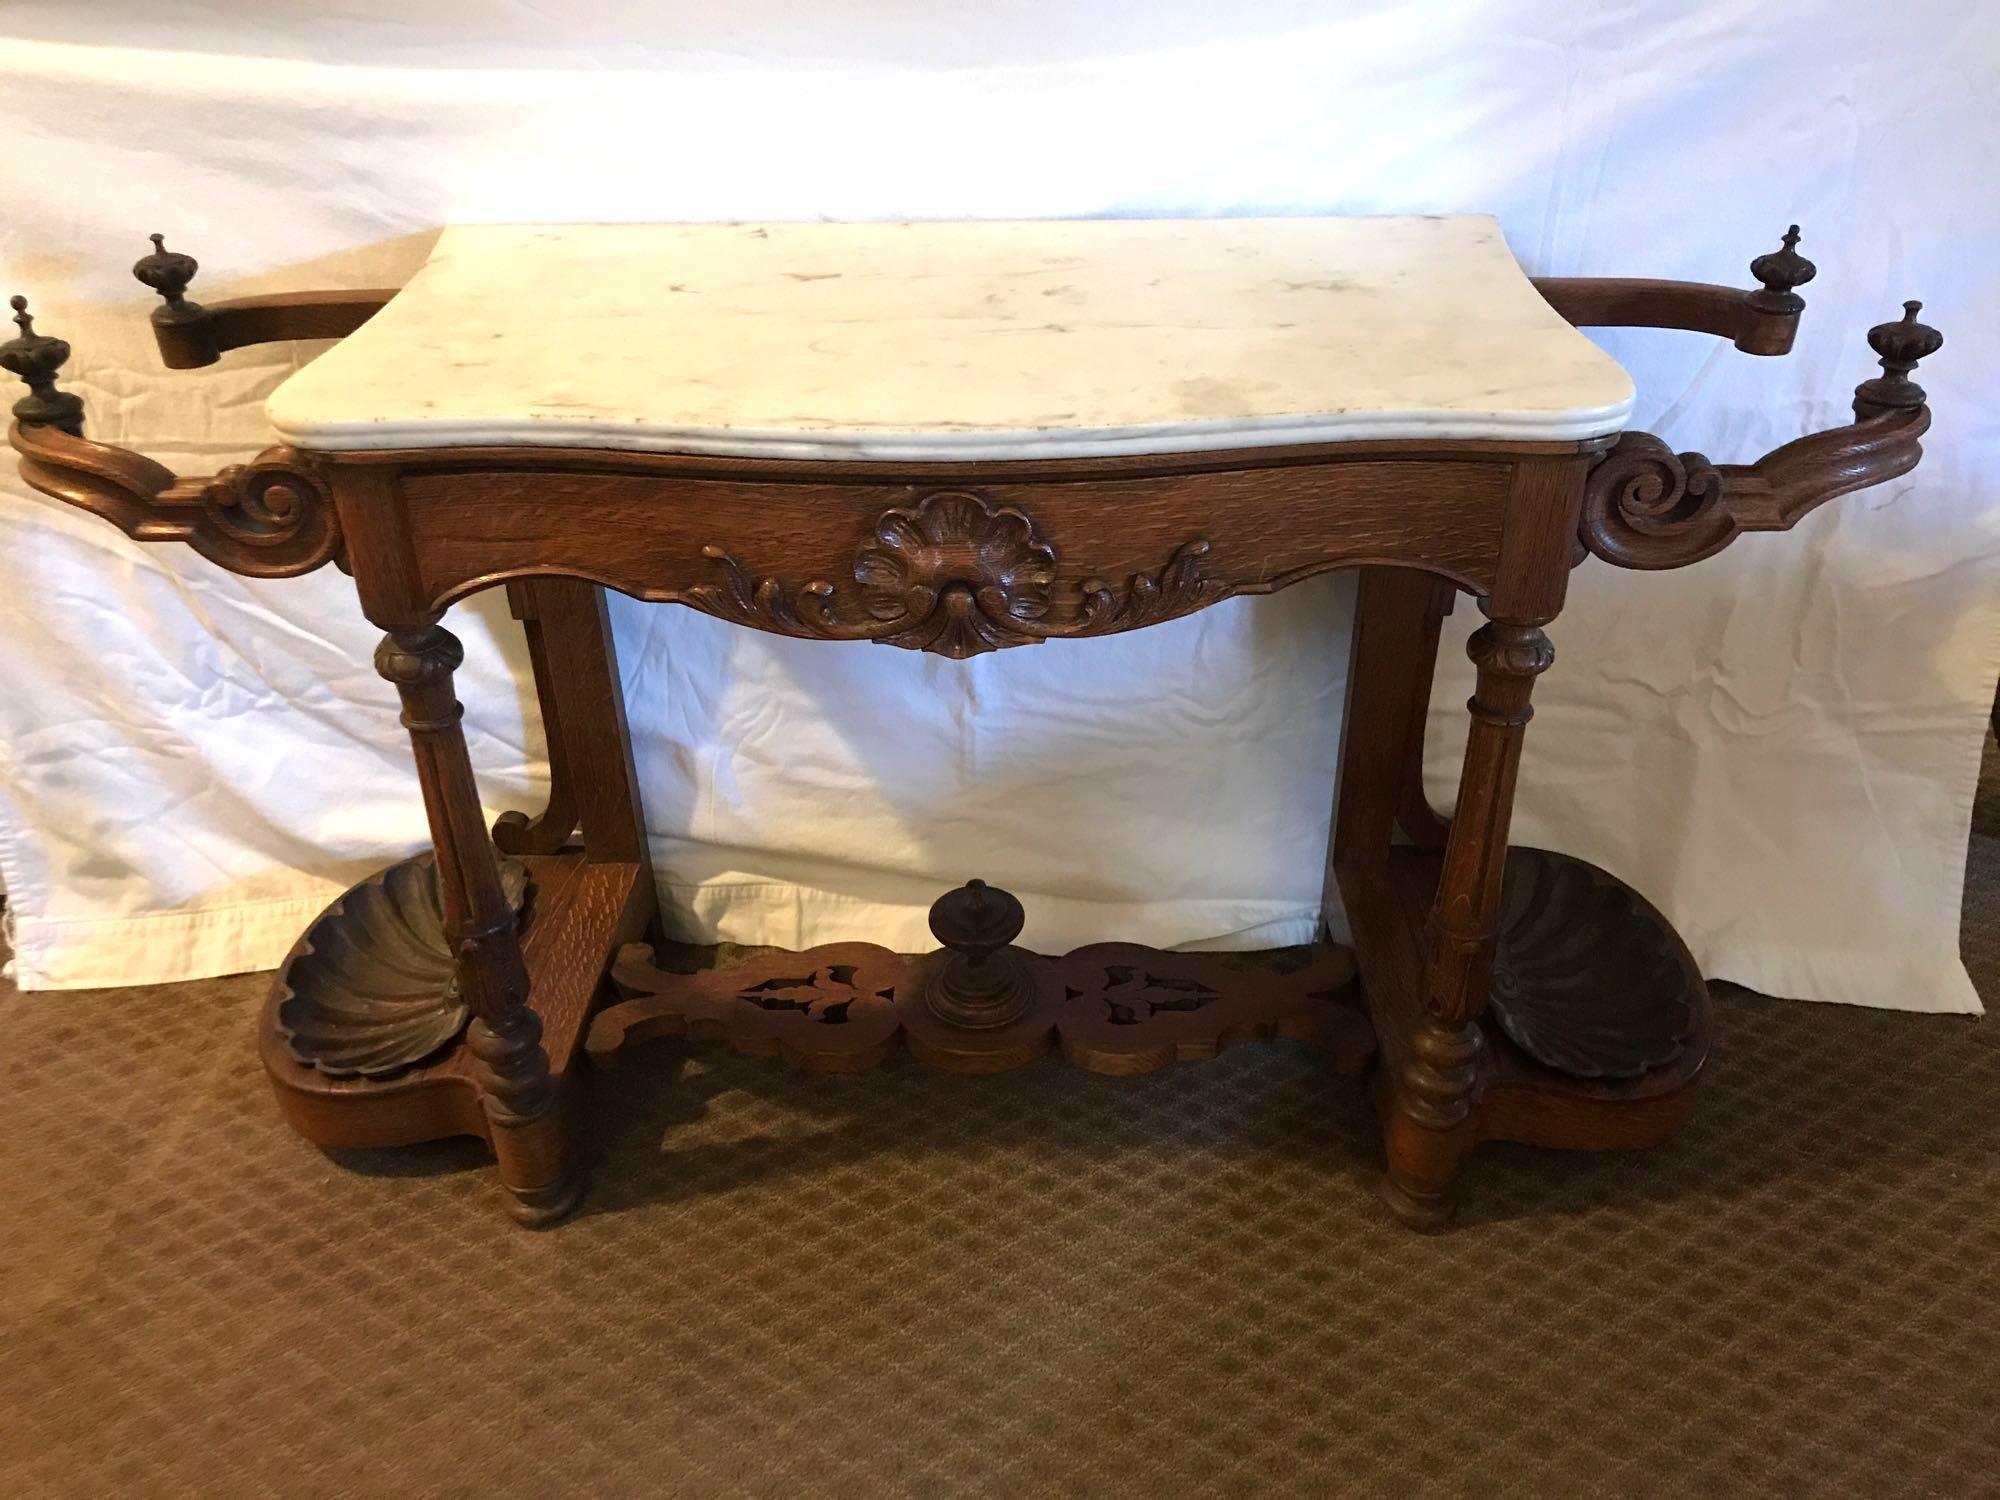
x: 1763, y: 321
x: 269, y: 518
x: 1697, y: 306
x: 1645, y: 506
x: 188, y: 342
x: 191, y: 335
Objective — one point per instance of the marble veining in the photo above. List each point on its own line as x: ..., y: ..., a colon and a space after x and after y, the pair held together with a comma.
x: 970, y: 340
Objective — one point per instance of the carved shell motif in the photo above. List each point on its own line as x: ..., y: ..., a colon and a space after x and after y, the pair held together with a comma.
x: 956, y: 575
x: 371, y: 988
x: 958, y: 569
x: 1587, y: 977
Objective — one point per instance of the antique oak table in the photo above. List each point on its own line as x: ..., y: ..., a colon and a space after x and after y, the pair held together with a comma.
x: 960, y: 438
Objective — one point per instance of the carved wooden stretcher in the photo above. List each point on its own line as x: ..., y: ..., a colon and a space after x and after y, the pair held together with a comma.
x: 1502, y: 994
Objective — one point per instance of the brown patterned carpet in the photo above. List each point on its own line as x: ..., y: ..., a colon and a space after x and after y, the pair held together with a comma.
x: 1042, y: 1284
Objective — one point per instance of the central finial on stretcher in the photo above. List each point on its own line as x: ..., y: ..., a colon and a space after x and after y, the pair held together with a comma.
x: 980, y: 981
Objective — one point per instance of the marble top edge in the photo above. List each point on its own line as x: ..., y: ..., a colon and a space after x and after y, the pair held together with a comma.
x: 974, y: 446
x: 960, y: 339
x: 1081, y: 221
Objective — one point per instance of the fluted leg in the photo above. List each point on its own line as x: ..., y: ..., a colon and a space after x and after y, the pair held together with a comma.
x: 1429, y: 1119
x: 524, y: 1108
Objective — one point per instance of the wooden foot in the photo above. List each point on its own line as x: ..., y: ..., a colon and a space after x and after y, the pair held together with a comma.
x: 540, y: 1163
x: 1427, y: 1121
x: 1414, y: 1209
x: 543, y: 1207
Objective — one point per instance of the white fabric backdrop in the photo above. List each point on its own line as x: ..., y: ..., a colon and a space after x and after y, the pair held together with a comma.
x: 1778, y: 746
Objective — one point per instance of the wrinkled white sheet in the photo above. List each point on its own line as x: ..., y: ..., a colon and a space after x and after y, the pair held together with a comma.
x: 1778, y: 746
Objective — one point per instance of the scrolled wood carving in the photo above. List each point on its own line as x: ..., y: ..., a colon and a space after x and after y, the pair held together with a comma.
x: 1645, y: 506
x: 270, y: 518
x: 1111, y: 1008
x: 958, y: 576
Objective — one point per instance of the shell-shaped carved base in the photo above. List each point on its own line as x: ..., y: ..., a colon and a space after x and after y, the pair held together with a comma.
x: 371, y: 989
x: 1587, y: 977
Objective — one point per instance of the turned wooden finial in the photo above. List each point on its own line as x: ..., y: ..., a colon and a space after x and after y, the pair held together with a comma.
x: 980, y: 982
x: 36, y: 357
x: 1781, y: 272
x: 1900, y: 345
x: 168, y: 272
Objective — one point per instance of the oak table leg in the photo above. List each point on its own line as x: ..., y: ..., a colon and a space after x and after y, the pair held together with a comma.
x: 549, y: 830
x: 576, y: 676
x: 1391, y: 654
x: 524, y: 1106
x: 1416, y: 819
x: 1428, y: 1125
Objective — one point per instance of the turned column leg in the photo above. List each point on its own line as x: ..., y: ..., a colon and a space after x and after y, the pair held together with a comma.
x: 1428, y: 1125
x: 525, y: 1108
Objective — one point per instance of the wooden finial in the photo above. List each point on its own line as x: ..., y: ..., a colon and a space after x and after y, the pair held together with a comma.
x: 168, y: 272
x: 979, y: 982
x: 36, y: 357
x: 1781, y: 272
x: 1900, y: 345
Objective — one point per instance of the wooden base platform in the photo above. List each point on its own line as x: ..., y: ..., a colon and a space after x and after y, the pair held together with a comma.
x: 578, y: 913
x: 1606, y: 956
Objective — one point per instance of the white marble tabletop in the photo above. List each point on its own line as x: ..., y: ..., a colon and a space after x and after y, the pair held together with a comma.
x: 960, y: 341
